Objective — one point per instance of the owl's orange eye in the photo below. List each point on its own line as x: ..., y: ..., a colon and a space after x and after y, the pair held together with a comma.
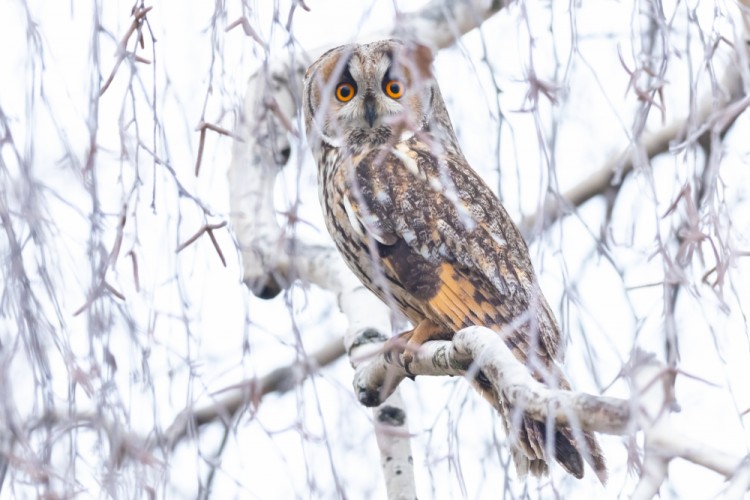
x: 394, y: 89
x: 345, y: 92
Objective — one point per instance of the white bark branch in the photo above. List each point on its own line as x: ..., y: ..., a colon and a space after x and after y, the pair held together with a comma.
x: 261, y: 149
x: 715, y: 113
x: 439, y: 23
x: 476, y: 350
x: 664, y: 441
x: 739, y: 484
x: 229, y: 401
x: 394, y: 443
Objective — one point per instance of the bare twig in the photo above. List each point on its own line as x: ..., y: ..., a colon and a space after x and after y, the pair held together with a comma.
x: 248, y: 29
x: 201, y: 145
x: 136, y: 278
x: 114, y: 291
x: 139, y: 14
x: 716, y: 118
x: 207, y: 228
x: 94, y: 295
x: 202, y: 127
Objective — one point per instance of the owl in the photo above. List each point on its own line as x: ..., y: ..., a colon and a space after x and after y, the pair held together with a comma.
x: 424, y: 232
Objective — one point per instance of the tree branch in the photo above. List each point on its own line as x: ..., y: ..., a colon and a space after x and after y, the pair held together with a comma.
x: 715, y: 116
x: 477, y: 350
x: 441, y: 22
x: 233, y: 399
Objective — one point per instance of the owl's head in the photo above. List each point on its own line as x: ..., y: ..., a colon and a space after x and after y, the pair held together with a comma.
x: 363, y: 95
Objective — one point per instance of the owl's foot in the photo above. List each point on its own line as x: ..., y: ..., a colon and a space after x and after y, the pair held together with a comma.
x: 397, y: 345
x: 409, y: 342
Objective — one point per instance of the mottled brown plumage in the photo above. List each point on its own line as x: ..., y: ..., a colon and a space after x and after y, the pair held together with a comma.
x: 422, y: 230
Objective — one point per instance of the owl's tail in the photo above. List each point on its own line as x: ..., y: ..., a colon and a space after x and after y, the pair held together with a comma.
x: 529, y: 448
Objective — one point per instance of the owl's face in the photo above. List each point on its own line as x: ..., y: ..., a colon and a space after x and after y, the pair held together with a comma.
x: 359, y: 95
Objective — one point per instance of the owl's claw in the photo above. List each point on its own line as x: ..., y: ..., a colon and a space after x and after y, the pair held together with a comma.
x: 399, y: 345
x: 403, y: 347
x: 409, y: 342
x: 407, y: 357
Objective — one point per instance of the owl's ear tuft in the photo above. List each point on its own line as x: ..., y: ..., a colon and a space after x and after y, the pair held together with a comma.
x: 421, y: 57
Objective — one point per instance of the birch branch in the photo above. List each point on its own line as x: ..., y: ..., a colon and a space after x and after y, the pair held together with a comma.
x: 229, y: 401
x: 478, y: 350
x: 394, y: 443
x: 664, y: 442
x: 441, y: 22
x: 261, y: 149
x: 713, y: 116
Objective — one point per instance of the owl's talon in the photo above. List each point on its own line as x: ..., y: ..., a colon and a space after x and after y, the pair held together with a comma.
x: 406, y: 358
x: 404, y: 352
x: 396, y: 345
x: 409, y: 342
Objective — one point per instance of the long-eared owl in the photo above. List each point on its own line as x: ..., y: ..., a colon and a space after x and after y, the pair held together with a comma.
x: 423, y: 231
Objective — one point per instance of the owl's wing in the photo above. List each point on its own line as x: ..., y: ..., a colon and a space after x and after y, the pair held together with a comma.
x: 444, y: 234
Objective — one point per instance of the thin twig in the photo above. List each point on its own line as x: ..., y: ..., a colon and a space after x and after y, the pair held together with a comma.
x: 202, y: 127
x: 136, y: 278
x: 205, y: 228
x: 248, y: 29
x: 138, y: 16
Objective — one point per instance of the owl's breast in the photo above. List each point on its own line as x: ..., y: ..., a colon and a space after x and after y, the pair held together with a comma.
x: 352, y: 243
x: 359, y: 248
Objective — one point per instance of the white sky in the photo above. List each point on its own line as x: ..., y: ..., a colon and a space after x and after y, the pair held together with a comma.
x: 198, y: 330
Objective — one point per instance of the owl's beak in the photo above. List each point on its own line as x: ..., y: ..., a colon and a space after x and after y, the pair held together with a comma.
x: 370, y: 113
